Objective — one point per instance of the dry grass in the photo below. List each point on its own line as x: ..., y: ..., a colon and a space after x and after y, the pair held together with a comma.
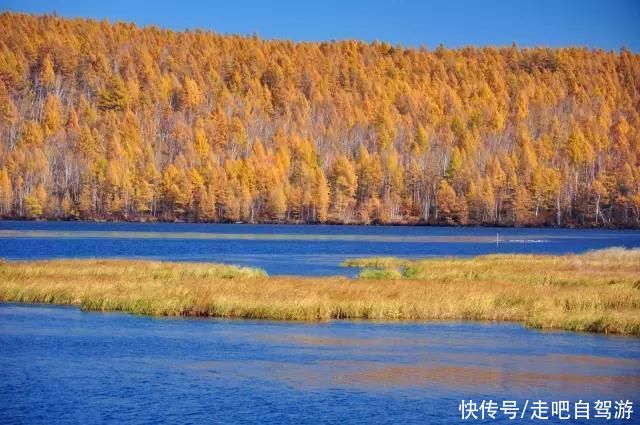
x: 376, y: 262
x: 597, y: 292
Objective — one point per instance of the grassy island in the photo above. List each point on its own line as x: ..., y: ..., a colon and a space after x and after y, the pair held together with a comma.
x: 598, y: 291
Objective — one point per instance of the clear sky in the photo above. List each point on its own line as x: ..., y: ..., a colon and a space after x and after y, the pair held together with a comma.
x: 594, y: 23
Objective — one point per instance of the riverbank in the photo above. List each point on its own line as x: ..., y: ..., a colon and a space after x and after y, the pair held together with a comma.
x: 597, y: 292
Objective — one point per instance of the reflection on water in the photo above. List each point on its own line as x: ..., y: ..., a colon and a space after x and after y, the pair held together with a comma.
x: 478, y: 379
x: 287, y: 249
x: 58, y: 362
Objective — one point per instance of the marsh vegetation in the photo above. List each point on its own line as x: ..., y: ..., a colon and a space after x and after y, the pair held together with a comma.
x: 598, y: 291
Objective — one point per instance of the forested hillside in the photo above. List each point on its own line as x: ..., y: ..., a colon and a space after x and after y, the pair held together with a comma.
x: 113, y: 121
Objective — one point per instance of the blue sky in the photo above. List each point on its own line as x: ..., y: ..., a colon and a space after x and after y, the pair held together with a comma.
x: 454, y: 23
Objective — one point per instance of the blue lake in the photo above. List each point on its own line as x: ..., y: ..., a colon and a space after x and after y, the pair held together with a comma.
x: 287, y: 249
x: 61, y: 365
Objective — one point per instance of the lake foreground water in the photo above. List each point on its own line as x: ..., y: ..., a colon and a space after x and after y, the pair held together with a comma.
x: 61, y: 365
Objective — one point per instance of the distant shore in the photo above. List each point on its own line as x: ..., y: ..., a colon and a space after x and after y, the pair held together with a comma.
x: 417, y: 223
x: 594, y: 292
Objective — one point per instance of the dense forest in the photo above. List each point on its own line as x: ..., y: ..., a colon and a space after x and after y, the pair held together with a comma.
x: 113, y: 121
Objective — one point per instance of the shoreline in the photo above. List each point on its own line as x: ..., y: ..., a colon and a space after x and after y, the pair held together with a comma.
x: 419, y: 223
x: 416, y: 223
x: 595, y: 292
x: 382, y: 322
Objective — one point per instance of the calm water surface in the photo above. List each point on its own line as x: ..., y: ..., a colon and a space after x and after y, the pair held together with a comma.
x: 61, y: 365
x: 286, y: 249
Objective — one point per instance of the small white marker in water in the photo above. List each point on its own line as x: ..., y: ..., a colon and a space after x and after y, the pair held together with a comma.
x: 497, y: 239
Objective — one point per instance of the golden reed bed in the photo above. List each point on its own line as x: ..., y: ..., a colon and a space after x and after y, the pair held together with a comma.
x: 597, y: 292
